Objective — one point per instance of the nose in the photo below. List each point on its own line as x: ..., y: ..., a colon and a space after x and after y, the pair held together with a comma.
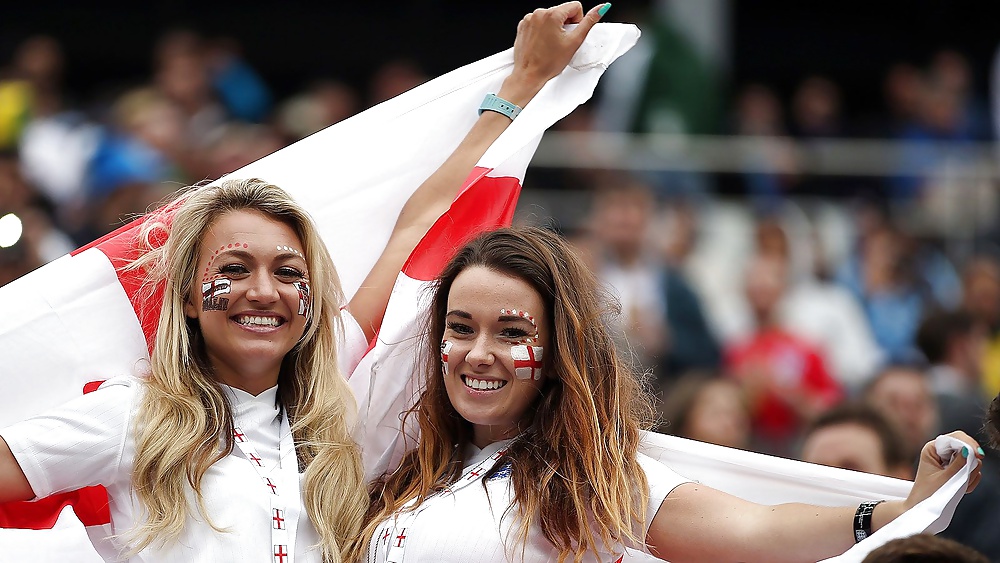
x: 481, y: 354
x: 263, y: 288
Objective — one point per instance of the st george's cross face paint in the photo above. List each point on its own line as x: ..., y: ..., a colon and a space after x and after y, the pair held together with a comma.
x: 305, y: 297
x: 212, y: 290
x: 527, y: 357
x: 445, y: 352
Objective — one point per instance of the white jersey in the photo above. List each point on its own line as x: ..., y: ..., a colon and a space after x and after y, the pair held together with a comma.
x: 470, y: 524
x: 89, y: 441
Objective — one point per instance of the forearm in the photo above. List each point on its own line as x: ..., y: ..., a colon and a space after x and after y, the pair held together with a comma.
x: 435, y: 195
x: 802, y: 532
x: 698, y: 523
x: 13, y: 484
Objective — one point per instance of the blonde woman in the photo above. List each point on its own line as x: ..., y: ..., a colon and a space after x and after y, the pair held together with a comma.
x: 235, y: 445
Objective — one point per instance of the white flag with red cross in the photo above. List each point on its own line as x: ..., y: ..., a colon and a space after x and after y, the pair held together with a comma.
x: 80, y: 320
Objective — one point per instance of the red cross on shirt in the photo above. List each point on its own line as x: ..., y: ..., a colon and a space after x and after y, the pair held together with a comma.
x: 279, y: 522
x: 256, y: 460
x: 400, y: 538
x: 385, y: 536
x: 274, y: 488
x: 279, y: 553
x: 240, y: 437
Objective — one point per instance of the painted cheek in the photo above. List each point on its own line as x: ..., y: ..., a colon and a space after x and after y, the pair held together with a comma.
x: 211, y: 291
x: 445, y: 352
x: 305, y: 297
x: 527, y: 361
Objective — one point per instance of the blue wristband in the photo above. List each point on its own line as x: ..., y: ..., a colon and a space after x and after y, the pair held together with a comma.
x: 499, y: 105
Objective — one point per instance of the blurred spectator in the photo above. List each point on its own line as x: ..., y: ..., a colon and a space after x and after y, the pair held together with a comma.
x: 759, y: 115
x: 953, y: 344
x: 662, y: 319
x: 708, y: 409
x: 981, y: 299
x: 236, y: 83
x: 823, y: 313
x: 784, y: 376
x: 903, y: 394
x: 816, y: 109
x: 924, y: 548
x: 183, y: 76
x: 901, y: 89
x: 321, y: 105
x: 238, y: 144
x: 393, y: 78
x: 856, y: 436
x: 620, y: 217
x: 896, y: 281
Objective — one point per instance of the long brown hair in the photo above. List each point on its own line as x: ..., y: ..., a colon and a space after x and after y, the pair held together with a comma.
x: 575, y: 474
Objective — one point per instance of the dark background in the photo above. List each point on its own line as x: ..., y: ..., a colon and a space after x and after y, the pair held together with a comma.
x: 109, y: 44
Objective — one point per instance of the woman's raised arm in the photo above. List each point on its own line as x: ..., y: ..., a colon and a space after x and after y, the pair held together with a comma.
x: 542, y: 49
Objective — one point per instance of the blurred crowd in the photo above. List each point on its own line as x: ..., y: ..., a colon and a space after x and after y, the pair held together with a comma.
x: 827, y: 328
x: 72, y: 170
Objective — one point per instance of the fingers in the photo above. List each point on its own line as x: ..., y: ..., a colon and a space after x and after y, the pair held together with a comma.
x: 569, y: 12
x: 589, y: 21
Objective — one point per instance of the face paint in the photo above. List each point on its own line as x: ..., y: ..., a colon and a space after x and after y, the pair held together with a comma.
x: 527, y: 361
x: 210, y: 292
x: 445, y: 350
x: 305, y: 297
x: 283, y: 248
x: 527, y: 358
x: 215, y: 256
x: 523, y: 315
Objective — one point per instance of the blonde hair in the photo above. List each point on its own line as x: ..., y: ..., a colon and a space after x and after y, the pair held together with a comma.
x: 575, y: 476
x: 181, y: 393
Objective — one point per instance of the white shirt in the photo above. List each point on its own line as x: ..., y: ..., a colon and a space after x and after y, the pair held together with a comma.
x: 89, y: 441
x: 469, y: 524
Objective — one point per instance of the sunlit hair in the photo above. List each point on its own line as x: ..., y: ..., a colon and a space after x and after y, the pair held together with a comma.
x: 182, y: 395
x: 574, y: 474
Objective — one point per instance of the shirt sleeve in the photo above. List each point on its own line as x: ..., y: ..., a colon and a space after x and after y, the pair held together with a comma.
x: 78, y: 444
x: 353, y: 347
x: 661, y: 480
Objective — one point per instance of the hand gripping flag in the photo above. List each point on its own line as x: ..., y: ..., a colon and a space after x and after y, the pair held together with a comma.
x: 75, y: 322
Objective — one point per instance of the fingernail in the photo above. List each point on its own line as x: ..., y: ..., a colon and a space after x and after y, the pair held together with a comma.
x: 604, y: 9
x: 980, y: 451
x: 965, y: 452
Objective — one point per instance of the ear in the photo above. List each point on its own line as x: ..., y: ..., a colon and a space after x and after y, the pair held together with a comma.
x: 189, y: 309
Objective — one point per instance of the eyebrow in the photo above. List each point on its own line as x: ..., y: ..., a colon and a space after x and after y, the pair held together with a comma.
x: 513, y: 318
x: 459, y: 313
x: 245, y: 255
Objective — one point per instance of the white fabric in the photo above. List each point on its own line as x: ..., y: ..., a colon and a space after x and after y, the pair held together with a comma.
x: 473, y: 524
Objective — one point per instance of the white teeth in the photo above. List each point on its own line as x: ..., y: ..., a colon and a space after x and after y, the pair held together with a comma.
x: 259, y: 321
x: 483, y: 384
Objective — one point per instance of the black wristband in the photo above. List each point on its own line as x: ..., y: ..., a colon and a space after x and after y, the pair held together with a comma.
x: 863, y: 519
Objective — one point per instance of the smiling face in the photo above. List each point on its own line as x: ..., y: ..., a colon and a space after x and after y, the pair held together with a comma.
x: 496, y: 332
x: 251, y: 297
